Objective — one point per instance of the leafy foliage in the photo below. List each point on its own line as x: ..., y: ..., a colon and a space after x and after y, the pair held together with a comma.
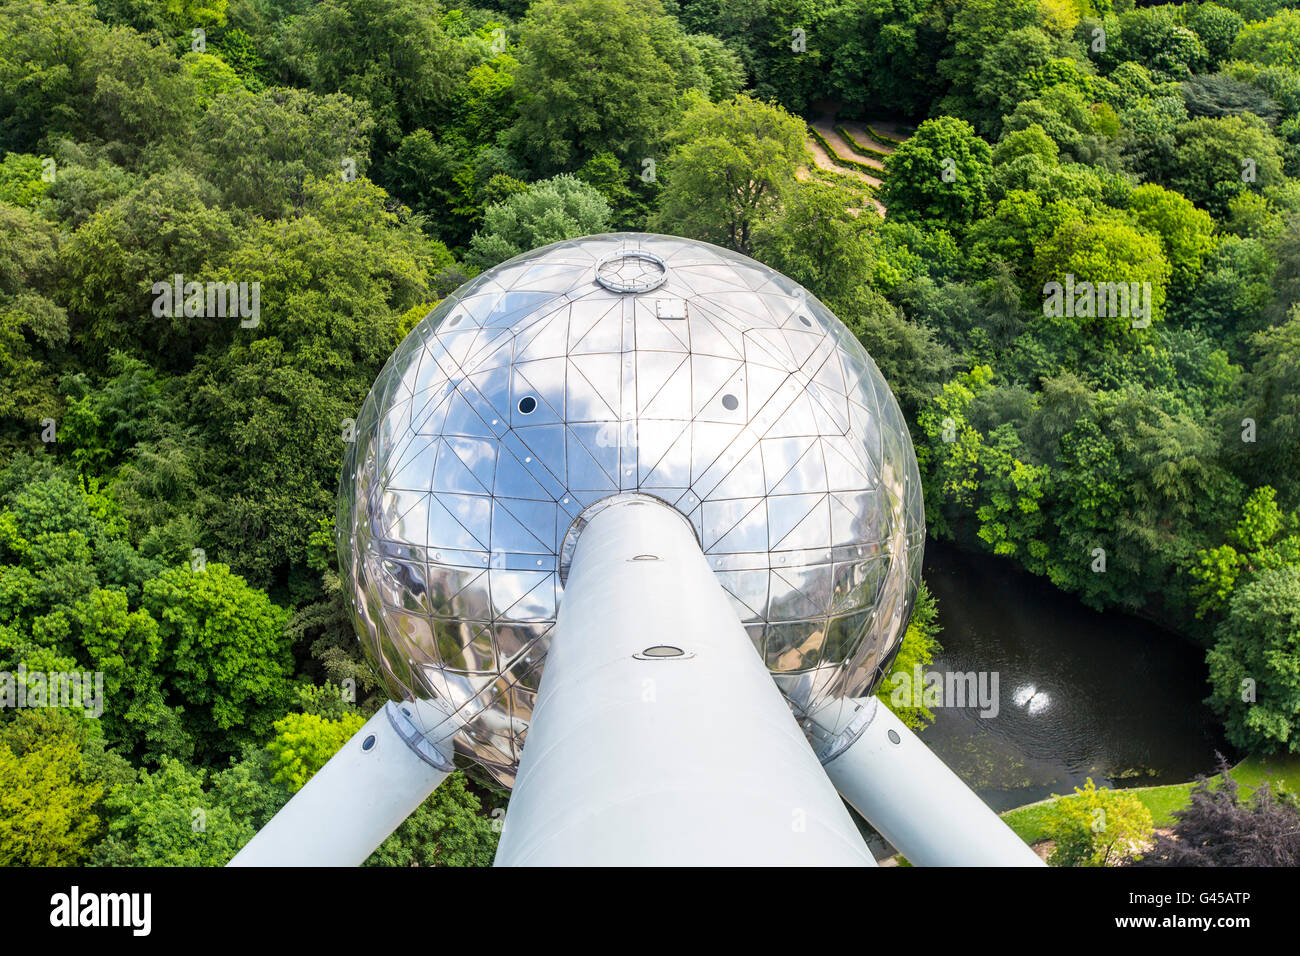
x: 559, y: 208
x: 1223, y: 827
x: 304, y: 742
x: 1098, y: 827
x: 731, y: 164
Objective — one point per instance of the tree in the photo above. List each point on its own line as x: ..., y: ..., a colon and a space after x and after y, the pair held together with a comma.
x: 983, y: 472
x: 719, y: 74
x: 1275, y: 41
x: 1097, y: 827
x: 125, y: 646
x: 303, y: 743
x: 169, y: 17
x: 33, y: 328
x: 1219, y: 94
x: 789, y: 66
x: 1265, y: 537
x: 43, y: 49
x: 594, y: 75
x: 103, y: 424
x: 1232, y: 296
x: 909, y: 355
x: 21, y: 183
x: 1186, y: 233
x: 563, y: 207
x: 171, y: 224
x: 1106, y: 253
x: 266, y: 416
x: 1253, y: 664
x: 397, y: 57
x: 143, y: 98
x: 1222, y: 827
x: 731, y: 165
x: 165, y: 818
x: 915, y: 653
x: 427, y: 171
x: 1148, y: 139
x: 886, y: 53
x: 1217, y: 158
x: 1084, y: 130
x: 484, y: 106
x: 940, y: 175
x: 247, y: 790
x: 1015, y: 226
x: 45, y: 807
x: 259, y: 149
x: 1216, y: 27
x: 1272, y: 402
x: 820, y: 238
x: 975, y: 28
x: 225, y: 654
x: 615, y: 182
x: 210, y: 75
x: 1020, y: 66
x: 1157, y: 39
x: 63, y: 71
x: 61, y: 537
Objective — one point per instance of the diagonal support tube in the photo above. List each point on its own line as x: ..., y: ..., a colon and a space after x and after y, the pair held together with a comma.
x: 357, y: 799
x: 911, y: 796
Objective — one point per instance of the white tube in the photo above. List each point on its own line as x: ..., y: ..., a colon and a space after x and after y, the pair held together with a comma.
x: 356, y: 800
x: 919, y: 805
x: 633, y: 759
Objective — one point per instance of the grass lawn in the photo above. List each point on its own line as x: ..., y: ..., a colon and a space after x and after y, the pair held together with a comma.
x: 1282, y: 771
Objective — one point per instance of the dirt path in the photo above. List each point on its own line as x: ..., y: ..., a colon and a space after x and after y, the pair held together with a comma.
x: 822, y: 160
x: 843, y: 150
x: 863, y: 136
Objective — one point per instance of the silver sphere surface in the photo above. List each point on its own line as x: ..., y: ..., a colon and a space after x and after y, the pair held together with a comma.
x: 624, y: 364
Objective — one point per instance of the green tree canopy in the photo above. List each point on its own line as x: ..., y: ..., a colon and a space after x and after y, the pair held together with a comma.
x: 562, y: 207
x: 1253, y: 664
x: 1215, y: 159
x: 939, y: 175
x: 226, y: 653
x: 731, y: 164
x: 1097, y: 827
x: 595, y: 75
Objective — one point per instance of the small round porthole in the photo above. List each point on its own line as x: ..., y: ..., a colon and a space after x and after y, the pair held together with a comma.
x: 806, y: 321
x: 646, y: 557
x: 730, y: 402
x: 527, y: 405
x: 894, y: 738
x: 662, y: 650
x: 368, y: 744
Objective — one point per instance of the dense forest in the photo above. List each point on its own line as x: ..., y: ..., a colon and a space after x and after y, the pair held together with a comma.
x: 1083, y: 292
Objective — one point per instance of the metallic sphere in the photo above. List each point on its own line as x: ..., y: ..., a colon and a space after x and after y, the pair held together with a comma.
x: 624, y: 364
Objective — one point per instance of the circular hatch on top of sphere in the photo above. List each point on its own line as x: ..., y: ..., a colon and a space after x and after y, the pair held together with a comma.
x: 633, y: 271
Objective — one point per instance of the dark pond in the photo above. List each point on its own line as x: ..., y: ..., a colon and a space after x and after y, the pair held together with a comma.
x: 1080, y: 694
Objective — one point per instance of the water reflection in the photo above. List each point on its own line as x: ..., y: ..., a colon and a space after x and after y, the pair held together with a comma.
x: 1086, y: 694
x: 1031, y: 699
